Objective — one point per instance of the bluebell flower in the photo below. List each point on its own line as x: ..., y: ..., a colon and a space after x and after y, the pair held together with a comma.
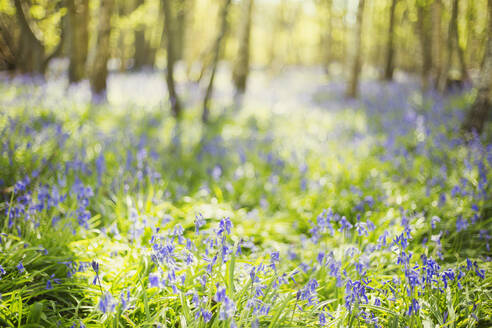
x: 220, y: 294
x: 225, y: 225
x: 20, y: 267
x: 124, y: 299
x: 154, y: 280
x: 227, y: 309
x: 320, y: 257
x: 291, y: 255
x: 461, y: 224
x: 382, y: 239
x: 361, y: 229
x: 106, y: 303
x: 206, y: 315
x: 49, y: 284
x: 199, y: 222
x: 345, y: 224
x: 259, y: 290
x: 202, y: 280
x: 413, y: 308
x: 434, y: 220
x: 274, y: 259
x: 370, y: 225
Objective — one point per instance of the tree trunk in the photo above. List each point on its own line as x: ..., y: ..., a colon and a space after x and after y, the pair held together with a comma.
x: 436, y: 41
x: 241, y: 65
x: 139, y: 56
x: 215, y: 60
x: 482, y: 107
x: 461, y: 52
x: 424, y: 26
x: 326, y: 39
x: 452, y: 44
x: 78, y: 11
x: 141, y: 46
x: 352, y: 87
x: 170, y: 53
x: 99, y: 72
x: 449, y: 47
x: 388, y: 68
x: 31, y: 49
x: 179, y: 30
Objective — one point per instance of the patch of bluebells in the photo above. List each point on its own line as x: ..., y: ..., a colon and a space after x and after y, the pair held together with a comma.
x: 209, y: 252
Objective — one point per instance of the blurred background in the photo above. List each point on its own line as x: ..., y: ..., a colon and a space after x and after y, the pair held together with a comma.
x: 442, y: 43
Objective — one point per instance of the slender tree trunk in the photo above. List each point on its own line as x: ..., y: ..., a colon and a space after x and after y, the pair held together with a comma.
x: 437, y: 41
x: 460, y: 51
x: 215, y: 60
x: 329, y: 37
x: 170, y: 53
x: 241, y: 65
x: 390, y: 50
x: 78, y: 11
x: 424, y: 25
x: 139, y: 56
x: 449, y: 47
x: 482, y: 107
x: 352, y: 88
x: 452, y: 44
x: 140, y: 43
x: 99, y: 72
x: 31, y: 50
x: 179, y: 30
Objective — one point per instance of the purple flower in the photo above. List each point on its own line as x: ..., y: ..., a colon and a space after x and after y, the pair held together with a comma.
x: 154, y: 280
x: 274, y: 258
x: 461, y: 224
x: 106, y: 303
x: 125, y: 299
x: 49, y: 284
x: 20, y: 267
x: 225, y: 225
x: 361, y: 229
x: 220, y: 294
x: 199, y: 222
x: 320, y: 257
x: 345, y: 224
x: 206, y: 315
x: 413, y: 308
x: 434, y: 220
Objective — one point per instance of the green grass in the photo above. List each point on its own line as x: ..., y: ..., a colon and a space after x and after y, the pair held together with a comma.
x: 272, y: 174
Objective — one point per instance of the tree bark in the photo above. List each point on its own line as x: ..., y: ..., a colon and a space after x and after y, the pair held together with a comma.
x: 436, y: 41
x: 241, y: 66
x: 180, y: 30
x: 326, y: 39
x: 352, y: 88
x: 461, y: 52
x: 390, y: 50
x: 215, y: 60
x: 99, y: 72
x: 452, y: 44
x: 31, y: 49
x: 139, y: 56
x: 424, y: 26
x: 173, y: 97
x: 144, y: 53
x: 482, y: 107
x: 78, y: 11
